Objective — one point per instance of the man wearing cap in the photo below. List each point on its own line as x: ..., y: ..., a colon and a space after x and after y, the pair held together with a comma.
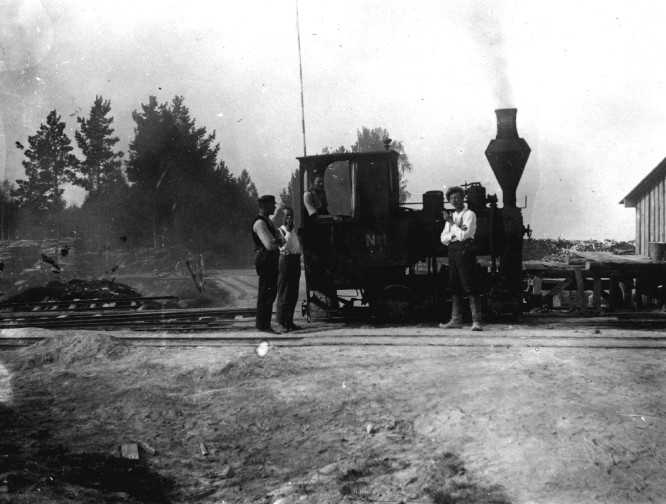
x: 458, y: 235
x: 267, y: 242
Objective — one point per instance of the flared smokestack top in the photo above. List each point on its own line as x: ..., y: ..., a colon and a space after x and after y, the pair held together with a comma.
x: 506, y: 123
x: 507, y: 155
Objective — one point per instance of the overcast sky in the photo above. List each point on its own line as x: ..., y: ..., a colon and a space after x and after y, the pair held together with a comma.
x: 587, y: 79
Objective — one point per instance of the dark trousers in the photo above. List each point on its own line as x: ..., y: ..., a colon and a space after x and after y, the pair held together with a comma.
x: 266, y: 264
x: 462, y: 268
x: 287, y: 288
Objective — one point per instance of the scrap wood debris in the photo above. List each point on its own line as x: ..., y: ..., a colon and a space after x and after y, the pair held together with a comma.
x: 52, y: 262
x: 73, y: 290
x: 197, y: 272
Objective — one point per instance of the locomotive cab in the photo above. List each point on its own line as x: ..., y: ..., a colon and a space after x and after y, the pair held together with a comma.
x: 359, y: 240
x: 359, y: 187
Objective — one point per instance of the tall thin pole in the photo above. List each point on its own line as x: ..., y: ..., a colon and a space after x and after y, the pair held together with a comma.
x: 300, y: 70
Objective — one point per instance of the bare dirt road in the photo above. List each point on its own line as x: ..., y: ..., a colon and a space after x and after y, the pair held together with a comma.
x: 334, y: 423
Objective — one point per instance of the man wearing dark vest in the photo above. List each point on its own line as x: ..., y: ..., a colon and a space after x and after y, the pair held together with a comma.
x: 267, y: 242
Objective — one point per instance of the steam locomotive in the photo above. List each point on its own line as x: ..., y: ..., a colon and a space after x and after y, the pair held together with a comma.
x: 388, y: 254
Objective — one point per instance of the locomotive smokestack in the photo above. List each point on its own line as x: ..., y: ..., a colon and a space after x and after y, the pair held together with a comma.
x: 506, y: 123
x: 507, y: 155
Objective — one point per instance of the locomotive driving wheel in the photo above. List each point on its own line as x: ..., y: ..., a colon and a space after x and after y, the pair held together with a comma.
x: 394, y: 303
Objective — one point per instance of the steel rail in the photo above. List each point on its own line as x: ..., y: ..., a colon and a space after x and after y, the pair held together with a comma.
x: 366, y: 340
x: 88, y: 301
x: 177, y: 320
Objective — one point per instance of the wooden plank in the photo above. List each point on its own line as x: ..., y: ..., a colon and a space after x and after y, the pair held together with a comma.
x: 555, y: 291
x: 657, y: 209
x: 655, y: 205
x: 646, y: 223
x: 537, y: 283
x: 129, y: 451
x: 650, y: 210
x: 596, y: 295
x: 662, y: 188
x: 653, y: 213
x: 626, y: 285
x: 637, y: 231
x: 551, y: 269
x: 609, y: 257
x: 580, y: 289
x: 648, y: 215
x: 662, y: 210
x: 653, y: 216
x: 614, y: 294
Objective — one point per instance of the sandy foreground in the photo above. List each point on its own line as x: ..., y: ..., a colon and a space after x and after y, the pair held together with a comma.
x: 326, y: 423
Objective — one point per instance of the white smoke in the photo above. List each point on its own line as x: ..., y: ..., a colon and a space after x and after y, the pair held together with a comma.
x: 485, y: 27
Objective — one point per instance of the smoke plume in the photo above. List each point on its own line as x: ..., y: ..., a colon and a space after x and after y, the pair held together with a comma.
x: 486, y: 29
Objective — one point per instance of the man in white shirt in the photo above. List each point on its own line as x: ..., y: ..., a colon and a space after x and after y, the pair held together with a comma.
x: 289, y: 274
x: 458, y: 235
x: 314, y: 198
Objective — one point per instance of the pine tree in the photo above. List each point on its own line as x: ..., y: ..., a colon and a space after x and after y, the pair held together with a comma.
x: 287, y: 193
x: 171, y: 164
x: 247, y: 185
x: 101, y: 165
x: 48, y: 166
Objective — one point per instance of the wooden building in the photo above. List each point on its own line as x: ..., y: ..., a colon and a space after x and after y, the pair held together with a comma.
x: 649, y: 200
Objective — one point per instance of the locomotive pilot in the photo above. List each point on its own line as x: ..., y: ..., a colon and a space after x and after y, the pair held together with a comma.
x: 458, y: 235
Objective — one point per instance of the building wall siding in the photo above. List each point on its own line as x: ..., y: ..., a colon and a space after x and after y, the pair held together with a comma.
x: 638, y: 229
x: 651, y: 217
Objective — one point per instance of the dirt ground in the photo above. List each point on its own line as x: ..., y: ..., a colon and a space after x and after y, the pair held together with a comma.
x: 317, y: 424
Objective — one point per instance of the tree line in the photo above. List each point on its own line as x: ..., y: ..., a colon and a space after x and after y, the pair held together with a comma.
x: 170, y: 188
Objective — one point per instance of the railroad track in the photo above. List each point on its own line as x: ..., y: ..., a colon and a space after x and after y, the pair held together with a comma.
x: 164, y: 319
x: 350, y: 337
x: 234, y: 326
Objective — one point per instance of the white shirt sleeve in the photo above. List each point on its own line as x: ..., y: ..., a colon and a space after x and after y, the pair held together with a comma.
x: 468, y: 229
x: 463, y: 227
x: 446, y: 235
x: 283, y: 232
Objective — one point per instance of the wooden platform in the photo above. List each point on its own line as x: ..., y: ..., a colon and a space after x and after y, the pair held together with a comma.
x: 615, y: 281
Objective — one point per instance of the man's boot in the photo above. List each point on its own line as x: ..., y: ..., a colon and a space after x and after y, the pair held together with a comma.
x: 456, y: 315
x: 475, y: 307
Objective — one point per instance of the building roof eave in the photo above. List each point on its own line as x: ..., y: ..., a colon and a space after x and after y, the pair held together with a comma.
x: 657, y: 173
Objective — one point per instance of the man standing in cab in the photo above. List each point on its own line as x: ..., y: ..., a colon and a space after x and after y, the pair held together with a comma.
x: 314, y: 198
x: 267, y: 243
x: 458, y: 235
